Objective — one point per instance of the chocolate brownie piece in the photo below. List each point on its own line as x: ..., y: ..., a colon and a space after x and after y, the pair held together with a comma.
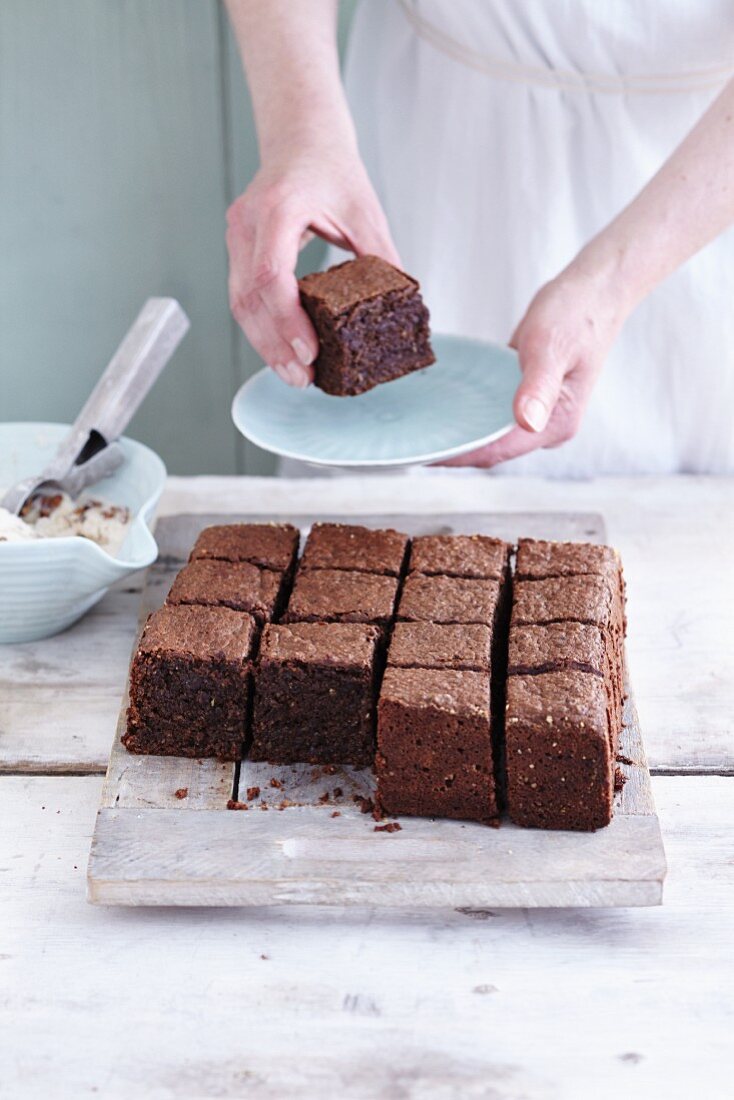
x: 448, y: 600
x: 315, y: 689
x: 559, y: 763
x: 190, y: 683
x: 360, y: 549
x: 556, y: 646
x: 371, y: 323
x: 339, y: 596
x: 591, y: 599
x: 582, y: 599
x: 476, y: 556
x: 572, y: 646
x: 239, y: 585
x: 538, y: 559
x: 269, y: 545
x: 434, y: 744
x: 440, y: 645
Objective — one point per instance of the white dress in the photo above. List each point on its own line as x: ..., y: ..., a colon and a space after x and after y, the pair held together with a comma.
x: 501, y: 135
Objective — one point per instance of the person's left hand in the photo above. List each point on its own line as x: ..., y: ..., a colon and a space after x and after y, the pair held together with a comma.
x: 562, y: 342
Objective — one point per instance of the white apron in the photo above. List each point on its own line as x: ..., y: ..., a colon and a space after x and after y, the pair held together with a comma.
x: 501, y: 135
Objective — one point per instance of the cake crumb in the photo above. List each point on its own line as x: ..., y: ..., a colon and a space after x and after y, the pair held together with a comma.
x: 336, y: 813
x: 389, y: 827
x: 621, y: 759
x: 286, y: 803
x: 324, y: 798
x: 276, y: 783
x: 233, y: 804
x: 337, y: 792
x: 329, y: 769
x: 366, y: 805
x: 619, y: 779
x: 182, y: 792
x: 253, y: 793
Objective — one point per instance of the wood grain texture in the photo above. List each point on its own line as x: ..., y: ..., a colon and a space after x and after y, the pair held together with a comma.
x: 363, y: 1004
x: 286, y: 847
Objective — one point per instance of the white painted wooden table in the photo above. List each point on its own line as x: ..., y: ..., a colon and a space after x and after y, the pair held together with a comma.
x: 265, y: 1003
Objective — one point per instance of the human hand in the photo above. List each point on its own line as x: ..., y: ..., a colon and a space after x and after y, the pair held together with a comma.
x: 562, y: 342
x: 322, y: 192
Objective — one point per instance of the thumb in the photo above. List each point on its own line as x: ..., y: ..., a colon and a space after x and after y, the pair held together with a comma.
x: 536, y: 396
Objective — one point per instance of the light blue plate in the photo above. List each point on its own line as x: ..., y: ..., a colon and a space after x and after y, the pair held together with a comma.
x: 461, y: 402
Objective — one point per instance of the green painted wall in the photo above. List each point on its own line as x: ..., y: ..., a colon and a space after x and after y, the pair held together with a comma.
x: 125, y: 131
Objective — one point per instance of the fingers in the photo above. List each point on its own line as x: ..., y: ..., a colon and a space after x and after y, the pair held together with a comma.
x: 517, y: 442
x: 263, y: 246
x: 542, y: 378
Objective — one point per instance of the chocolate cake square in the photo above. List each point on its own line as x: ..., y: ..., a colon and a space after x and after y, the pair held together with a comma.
x: 582, y: 599
x: 269, y: 545
x: 553, y: 647
x: 239, y: 585
x: 434, y: 745
x: 559, y: 762
x: 440, y: 645
x: 478, y: 556
x: 190, y: 683
x: 351, y: 547
x: 371, y: 323
x: 315, y: 687
x: 539, y: 558
x: 448, y: 600
x: 339, y: 596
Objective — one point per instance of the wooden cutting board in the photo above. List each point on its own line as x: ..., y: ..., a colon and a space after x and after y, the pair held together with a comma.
x: 164, y: 834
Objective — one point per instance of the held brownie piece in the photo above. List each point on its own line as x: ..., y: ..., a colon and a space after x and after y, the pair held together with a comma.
x: 315, y: 689
x: 440, y: 645
x: 434, y: 746
x: 344, y: 546
x: 560, y: 766
x: 190, y: 683
x: 338, y: 596
x: 448, y: 600
x: 371, y: 323
x: 239, y: 585
x: 269, y: 545
x: 476, y: 556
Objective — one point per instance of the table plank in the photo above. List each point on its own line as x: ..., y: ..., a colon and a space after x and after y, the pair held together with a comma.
x: 544, y: 1005
x: 59, y: 699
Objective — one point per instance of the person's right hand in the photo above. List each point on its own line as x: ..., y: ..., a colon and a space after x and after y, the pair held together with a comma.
x: 319, y: 192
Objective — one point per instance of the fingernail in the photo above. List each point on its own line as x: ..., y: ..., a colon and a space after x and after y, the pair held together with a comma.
x: 535, y: 413
x: 301, y: 350
x: 297, y: 376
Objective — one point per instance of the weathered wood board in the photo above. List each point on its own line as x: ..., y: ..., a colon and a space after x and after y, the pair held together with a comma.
x: 151, y: 846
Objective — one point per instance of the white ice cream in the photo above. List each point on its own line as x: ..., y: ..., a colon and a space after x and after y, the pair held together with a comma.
x: 54, y: 515
x: 13, y: 529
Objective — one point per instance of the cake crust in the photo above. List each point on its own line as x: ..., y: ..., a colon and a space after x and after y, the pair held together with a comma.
x: 269, y: 545
x: 477, y: 556
x: 355, y: 548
